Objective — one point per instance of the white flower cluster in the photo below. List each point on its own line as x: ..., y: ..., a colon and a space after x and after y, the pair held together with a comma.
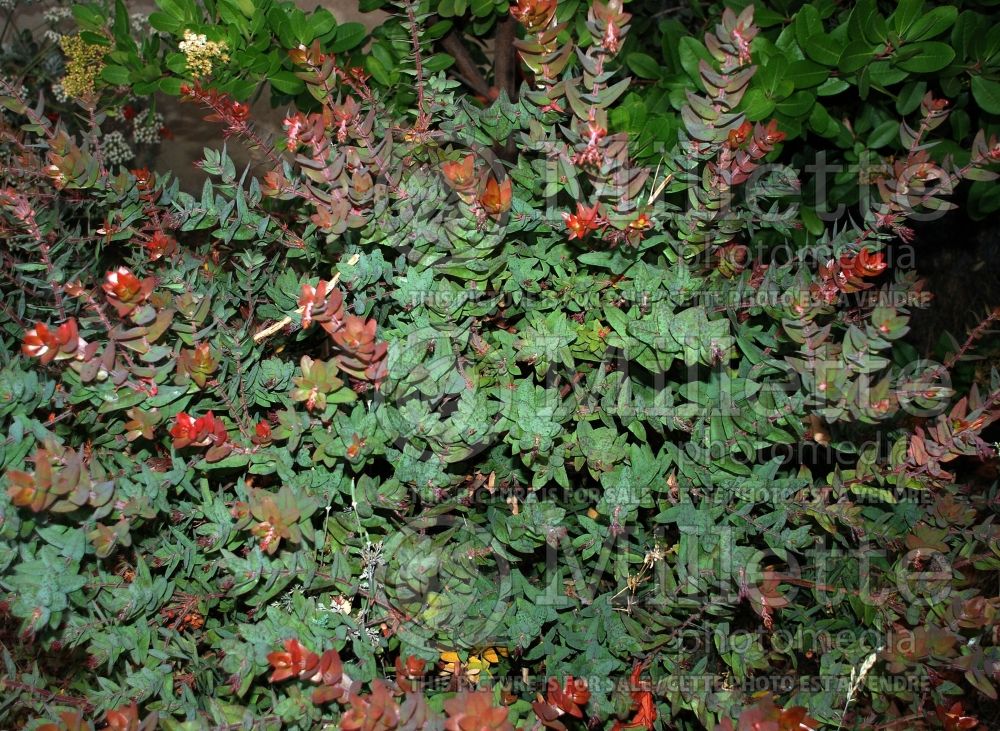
x: 284, y: 602
x: 7, y: 4
x: 9, y: 82
x: 54, y: 15
x: 52, y: 36
x: 139, y: 22
x: 371, y: 559
x: 59, y: 93
x: 146, y: 128
x: 115, y: 149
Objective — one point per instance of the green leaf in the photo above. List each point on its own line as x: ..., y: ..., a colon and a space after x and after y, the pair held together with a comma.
x: 907, y: 11
x: 856, y: 54
x: 349, y: 35
x: 300, y: 26
x: 89, y: 17
x: 166, y: 23
x: 823, y: 123
x: 807, y: 74
x: 929, y: 56
x: 884, y: 73
x: 115, y: 75
x: 832, y: 87
x: 644, y: 65
x: 438, y: 62
x: 173, y: 9
x: 95, y: 39
x: 910, y: 96
x: 757, y: 105
x: 798, y: 104
x: 931, y: 24
x: 245, y: 6
x: 482, y: 8
x: 769, y: 77
x: 171, y: 85
x: 378, y: 70
x: 692, y: 51
x: 984, y: 199
x: 823, y: 49
x: 883, y: 135
x: 322, y: 22
x: 987, y: 94
x: 964, y: 33
x: 287, y: 82
x: 807, y: 24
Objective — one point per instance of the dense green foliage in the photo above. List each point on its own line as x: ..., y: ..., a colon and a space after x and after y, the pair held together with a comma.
x: 563, y: 405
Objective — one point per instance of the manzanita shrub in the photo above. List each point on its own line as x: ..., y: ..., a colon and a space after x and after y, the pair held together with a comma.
x: 457, y: 416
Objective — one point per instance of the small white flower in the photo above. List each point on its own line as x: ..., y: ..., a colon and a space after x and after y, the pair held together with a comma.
x: 341, y: 605
x: 146, y: 128
x: 9, y: 84
x: 54, y: 15
x: 116, y: 149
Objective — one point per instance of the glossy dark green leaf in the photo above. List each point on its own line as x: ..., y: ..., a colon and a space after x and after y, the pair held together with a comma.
x: 932, y: 23
x: 807, y: 74
x: 856, y: 55
x: 986, y: 92
x: 644, y: 65
x: 349, y: 35
x: 823, y: 49
x: 927, y: 57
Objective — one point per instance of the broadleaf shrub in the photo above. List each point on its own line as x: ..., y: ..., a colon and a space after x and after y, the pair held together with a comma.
x: 462, y: 412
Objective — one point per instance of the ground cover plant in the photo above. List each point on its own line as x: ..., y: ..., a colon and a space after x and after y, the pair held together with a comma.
x: 486, y: 401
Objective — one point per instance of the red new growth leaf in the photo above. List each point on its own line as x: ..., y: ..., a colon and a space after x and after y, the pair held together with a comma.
x: 143, y: 178
x: 49, y: 344
x: 496, y: 197
x: 739, y: 135
x: 571, y: 697
x: 326, y: 670
x: 642, y: 703
x: 475, y: 712
x: 295, y: 661
x: 262, y: 433
x: 460, y: 175
x: 583, y: 221
x: 766, y: 716
x: 324, y: 304
x: 330, y: 675
x: 375, y: 712
x: 343, y: 116
x: 868, y: 264
x: 954, y: 718
x: 534, y: 15
x: 69, y: 721
x: 127, y: 719
x: 224, y: 109
x: 201, y: 432
x: 125, y: 291
x: 847, y: 274
x: 406, y: 672
x: 160, y: 245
